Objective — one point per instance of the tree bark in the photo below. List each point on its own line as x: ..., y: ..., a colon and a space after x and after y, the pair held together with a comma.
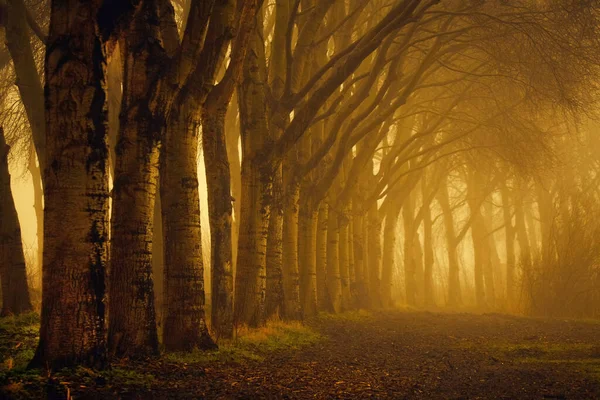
x: 358, y: 289
x: 257, y: 175
x: 184, y: 317
x: 321, y: 259
x: 493, y: 263
x: 510, y: 246
x: 275, y: 298
x: 521, y: 231
x: 38, y: 205
x: 410, y: 262
x: 307, y: 247
x: 389, y: 250
x: 13, y: 274
x: 232, y: 132
x: 291, y: 273
x: 278, y: 280
x: 428, y: 260
x: 374, y: 226
x: 480, y: 254
x: 334, y: 283
x: 72, y: 330
x: 158, y: 262
x: 344, y: 261
x: 132, y: 330
x: 454, y: 293
x: 220, y: 214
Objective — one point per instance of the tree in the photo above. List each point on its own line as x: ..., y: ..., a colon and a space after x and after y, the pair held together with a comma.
x: 76, y: 191
x: 214, y: 142
x: 24, y: 54
x: 156, y: 73
x: 13, y: 275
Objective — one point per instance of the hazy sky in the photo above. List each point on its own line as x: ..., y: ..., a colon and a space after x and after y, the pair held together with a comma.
x: 23, y: 194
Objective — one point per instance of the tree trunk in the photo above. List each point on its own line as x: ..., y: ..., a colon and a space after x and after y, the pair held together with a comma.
x: 418, y: 252
x: 428, y: 252
x: 493, y: 263
x: 546, y: 212
x: 232, y: 132
x: 366, y: 302
x: 307, y: 247
x: 184, y: 325
x: 158, y: 262
x: 114, y: 93
x: 257, y: 175
x: 334, y: 283
x: 428, y: 259
x: 132, y: 320
x: 531, y: 227
x: 344, y: 262
x: 521, y: 231
x: 132, y: 330
x: 38, y: 206
x: 410, y: 262
x: 28, y: 80
x: 220, y: 214
x: 510, y: 246
x: 350, y: 261
x: 13, y: 274
x: 250, y: 281
x: 76, y: 193
x: 358, y: 290
x: 321, y: 259
x: 30, y: 90
x: 374, y: 225
x: 454, y: 293
x: 389, y: 250
x: 480, y: 256
x: 291, y: 273
x: 275, y: 299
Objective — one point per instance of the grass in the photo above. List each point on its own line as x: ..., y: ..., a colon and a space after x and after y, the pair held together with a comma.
x: 253, y: 344
x: 18, y: 338
x: 584, y: 356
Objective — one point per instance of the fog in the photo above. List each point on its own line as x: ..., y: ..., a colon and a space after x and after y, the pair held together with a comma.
x: 230, y: 186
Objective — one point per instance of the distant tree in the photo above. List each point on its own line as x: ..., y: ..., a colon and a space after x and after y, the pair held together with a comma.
x: 13, y: 276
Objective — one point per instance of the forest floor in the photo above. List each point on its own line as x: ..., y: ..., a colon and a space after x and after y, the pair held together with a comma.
x: 393, y: 354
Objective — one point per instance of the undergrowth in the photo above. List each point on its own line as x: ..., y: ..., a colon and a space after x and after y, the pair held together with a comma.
x: 253, y: 344
x: 584, y: 356
x: 18, y: 338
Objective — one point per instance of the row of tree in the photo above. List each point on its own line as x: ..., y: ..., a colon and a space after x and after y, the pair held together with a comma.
x: 343, y: 112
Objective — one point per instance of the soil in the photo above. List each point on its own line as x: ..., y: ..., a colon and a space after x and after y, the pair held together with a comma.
x: 396, y: 355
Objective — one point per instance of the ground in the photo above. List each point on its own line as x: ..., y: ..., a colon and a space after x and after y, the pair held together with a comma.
x: 399, y: 354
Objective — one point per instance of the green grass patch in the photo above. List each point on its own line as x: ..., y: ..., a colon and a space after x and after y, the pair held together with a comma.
x: 20, y: 323
x: 589, y: 365
x: 253, y: 344
x: 18, y: 339
x: 128, y: 377
x: 551, y: 350
x: 584, y: 356
x: 548, y: 350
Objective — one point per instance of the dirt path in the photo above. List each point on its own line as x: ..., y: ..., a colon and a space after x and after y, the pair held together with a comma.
x: 419, y: 355
x: 405, y: 355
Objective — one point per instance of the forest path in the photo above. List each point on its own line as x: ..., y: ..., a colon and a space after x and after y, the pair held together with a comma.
x: 421, y: 355
x: 392, y: 355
